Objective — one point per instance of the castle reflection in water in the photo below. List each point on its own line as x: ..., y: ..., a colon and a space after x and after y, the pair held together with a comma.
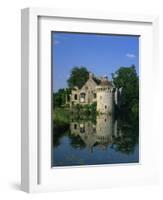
x: 102, y: 140
x: 99, y: 134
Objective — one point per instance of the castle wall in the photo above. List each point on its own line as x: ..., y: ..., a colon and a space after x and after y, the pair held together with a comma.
x: 73, y: 93
x: 88, y: 89
x: 104, y: 101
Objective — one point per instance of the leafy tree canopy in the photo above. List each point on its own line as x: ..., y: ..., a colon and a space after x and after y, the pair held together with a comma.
x: 78, y: 76
x: 127, y: 78
x: 59, y: 98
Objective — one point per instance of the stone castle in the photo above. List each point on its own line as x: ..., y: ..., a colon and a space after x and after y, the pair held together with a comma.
x: 99, y: 90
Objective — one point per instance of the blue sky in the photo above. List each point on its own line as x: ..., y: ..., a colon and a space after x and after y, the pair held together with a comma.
x: 100, y: 54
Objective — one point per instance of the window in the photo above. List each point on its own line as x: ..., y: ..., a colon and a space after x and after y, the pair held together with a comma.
x: 94, y: 130
x: 82, y: 129
x: 94, y: 95
x: 82, y: 97
x: 75, y: 96
x: 75, y: 126
x: 105, y: 107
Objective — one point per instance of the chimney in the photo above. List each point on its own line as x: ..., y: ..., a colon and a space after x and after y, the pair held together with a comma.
x: 90, y: 75
x: 105, y: 78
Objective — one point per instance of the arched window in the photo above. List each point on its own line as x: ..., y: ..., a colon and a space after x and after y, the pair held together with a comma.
x: 82, y: 97
x: 82, y: 128
x: 75, y: 96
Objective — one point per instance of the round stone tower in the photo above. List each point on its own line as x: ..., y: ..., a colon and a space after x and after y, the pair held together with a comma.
x: 104, y: 92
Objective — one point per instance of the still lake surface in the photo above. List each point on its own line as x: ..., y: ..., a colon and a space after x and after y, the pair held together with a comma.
x: 104, y: 140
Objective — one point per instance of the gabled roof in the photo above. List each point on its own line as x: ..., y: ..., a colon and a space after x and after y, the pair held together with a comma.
x: 90, y: 81
x: 101, y: 81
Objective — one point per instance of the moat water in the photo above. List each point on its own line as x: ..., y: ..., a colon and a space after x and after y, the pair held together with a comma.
x: 104, y: 140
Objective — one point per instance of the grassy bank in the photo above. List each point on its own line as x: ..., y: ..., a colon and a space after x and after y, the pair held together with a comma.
x: 61, y: 116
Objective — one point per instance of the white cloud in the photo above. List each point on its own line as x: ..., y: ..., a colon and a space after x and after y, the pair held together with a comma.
x: 130, y: 55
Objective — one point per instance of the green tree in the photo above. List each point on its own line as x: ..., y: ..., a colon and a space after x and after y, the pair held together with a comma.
x: 59, y: 98
x: 127, y: 78
x: 78, y: 76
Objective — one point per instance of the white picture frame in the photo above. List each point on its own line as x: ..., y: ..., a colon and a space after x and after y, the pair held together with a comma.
x: 36, y: 171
